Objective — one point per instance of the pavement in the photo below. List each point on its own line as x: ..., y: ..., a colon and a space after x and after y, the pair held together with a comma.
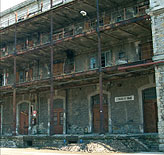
x: 35, y: 151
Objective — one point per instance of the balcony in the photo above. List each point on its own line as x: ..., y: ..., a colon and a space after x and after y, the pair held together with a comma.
x: 85, y: 27
x: 76, y: 66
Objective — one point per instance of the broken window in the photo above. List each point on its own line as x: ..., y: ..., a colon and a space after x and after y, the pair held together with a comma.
x: 122, y: 58
x: 69, y: 62
x: 21, y: 76
x: 93, y: 62
x: 121, y: 55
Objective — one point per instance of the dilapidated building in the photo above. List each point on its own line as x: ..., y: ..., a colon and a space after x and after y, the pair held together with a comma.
x: 82, y: 67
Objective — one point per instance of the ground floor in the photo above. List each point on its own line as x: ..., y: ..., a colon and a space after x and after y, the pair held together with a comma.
x: 129, y: 107
x: 34, y: 151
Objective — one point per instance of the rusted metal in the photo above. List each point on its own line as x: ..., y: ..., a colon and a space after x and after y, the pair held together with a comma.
x: 141, y: 65
x: 104, y: 28
x: 14, y: 85
x: 100, y: 71
x: 51, y: 3
x: 51, y: 78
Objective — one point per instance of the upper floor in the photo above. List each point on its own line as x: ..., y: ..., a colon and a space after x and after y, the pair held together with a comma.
x: 36, y: 32
x: 126, y: 39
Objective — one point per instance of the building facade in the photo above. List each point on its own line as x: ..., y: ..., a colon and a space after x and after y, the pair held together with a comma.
x: 58, y: 76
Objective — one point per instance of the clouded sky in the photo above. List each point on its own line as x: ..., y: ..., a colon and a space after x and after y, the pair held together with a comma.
x: 5, y: 4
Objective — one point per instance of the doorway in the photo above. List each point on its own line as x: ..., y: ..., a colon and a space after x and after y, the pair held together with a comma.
x: 96, y: 113
x: 0, y: 122
x: 58, y: 116
x: 150, y: 110
x: 23, y: 118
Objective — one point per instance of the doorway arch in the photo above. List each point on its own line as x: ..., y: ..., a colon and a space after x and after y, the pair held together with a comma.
x: 59, y: 115
x: 108, y: 115
x: 148, y: 108
x: 23, y: 121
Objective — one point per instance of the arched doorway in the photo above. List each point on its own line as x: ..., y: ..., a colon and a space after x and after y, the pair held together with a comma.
x: 150, y: 110
x: 23, y: 118
x: 58, y: 116
x: 96, y: 112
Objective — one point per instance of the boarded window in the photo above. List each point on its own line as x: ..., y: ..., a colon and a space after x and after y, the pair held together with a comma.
x: 146, y: 51
x: 58, y: 68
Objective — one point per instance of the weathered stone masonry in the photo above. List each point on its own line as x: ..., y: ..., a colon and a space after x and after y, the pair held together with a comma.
x: 157, y: 15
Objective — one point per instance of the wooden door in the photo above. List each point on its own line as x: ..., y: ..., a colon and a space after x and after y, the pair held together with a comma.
x: 58, y: 121
x: 23, y: 123
x: 0, y: 123
x: 150, y: 116
x: 96, y: 118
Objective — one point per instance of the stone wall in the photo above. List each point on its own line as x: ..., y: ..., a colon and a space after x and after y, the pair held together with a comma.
x: 89, y: 143
x: 78, y: 109
x: 126, y: 116
x: 160, y: 102
x: 157, y: 16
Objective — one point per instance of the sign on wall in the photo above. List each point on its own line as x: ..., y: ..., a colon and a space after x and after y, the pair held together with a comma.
x: 124, y: 98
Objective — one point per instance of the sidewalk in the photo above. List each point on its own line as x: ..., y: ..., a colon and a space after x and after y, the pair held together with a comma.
x: 35, y: 151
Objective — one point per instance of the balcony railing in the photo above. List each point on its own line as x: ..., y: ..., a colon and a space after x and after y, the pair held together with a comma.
x: 62, y: 68
x: 88, y: 25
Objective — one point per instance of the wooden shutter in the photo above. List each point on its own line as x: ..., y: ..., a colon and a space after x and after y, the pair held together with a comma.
x: 86, y: 26
x: 30, y: 74
x: 17, y: 77
x: 58, y: 68
x: 106, y: 20
x: 146, y: 51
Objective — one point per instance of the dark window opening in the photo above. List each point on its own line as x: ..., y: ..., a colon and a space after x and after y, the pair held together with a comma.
x: 28, y: 143
x: 103, y: 60
x: 72, y: 142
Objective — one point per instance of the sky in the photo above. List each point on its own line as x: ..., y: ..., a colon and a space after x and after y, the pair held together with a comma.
x: 5, y: 4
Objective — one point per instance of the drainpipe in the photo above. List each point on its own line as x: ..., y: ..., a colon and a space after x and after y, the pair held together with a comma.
x: 100, y: 70
x: 14, y: 85
x: 51, y: 77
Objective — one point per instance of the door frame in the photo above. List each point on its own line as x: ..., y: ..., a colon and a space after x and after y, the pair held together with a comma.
x: 29, y: 116
x: 64, y: 113
x: 140, y: 97
x: 1, y: 118
x: 90, y: 129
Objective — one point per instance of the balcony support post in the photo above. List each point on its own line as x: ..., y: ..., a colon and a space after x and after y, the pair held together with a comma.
x: 14, y: 84
x: 100, y: 71
x: 51, y: 79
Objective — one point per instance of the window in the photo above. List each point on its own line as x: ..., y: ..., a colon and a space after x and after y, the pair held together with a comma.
x: 103, y: 58
x: 121, y: 55
x: 106, y: 59
x: 55, y: 118
x: 21, y: 76
x: 92, y: 62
